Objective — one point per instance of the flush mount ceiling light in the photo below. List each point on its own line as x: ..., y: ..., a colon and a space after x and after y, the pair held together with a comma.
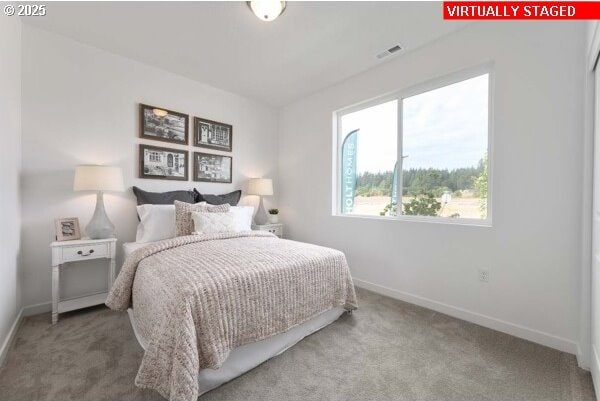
x: 267, y: 10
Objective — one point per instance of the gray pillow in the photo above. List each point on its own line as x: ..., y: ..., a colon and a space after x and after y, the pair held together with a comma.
x: 163, y: 198
x: 231, y: 198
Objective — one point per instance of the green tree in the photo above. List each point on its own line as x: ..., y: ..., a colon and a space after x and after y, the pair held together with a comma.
x: 419, y: 180
x: 389, y: 210
x: 424, y: 204
x: 481, y: 185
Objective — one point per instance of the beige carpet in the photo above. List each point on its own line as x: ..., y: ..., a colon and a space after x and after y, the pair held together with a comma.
x: 387, y: 350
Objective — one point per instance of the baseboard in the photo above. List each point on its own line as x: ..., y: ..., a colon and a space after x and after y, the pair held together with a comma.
x: 583, y: 359
x: 549, y: 340
x: 25, y: 311
x: 10, y: 337
x: 37, y: 309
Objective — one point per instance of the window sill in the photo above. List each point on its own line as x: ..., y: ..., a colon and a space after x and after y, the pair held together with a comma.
x: 423, y: 219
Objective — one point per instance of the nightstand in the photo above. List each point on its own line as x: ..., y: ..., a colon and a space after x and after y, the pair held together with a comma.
x: 77, y: 251
x: 276, y: 229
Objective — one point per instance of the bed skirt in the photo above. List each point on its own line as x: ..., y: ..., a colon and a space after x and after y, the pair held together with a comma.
x: 249, y: 356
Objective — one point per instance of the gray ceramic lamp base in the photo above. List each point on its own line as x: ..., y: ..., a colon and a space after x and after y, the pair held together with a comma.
x: 261, y: 215
x: 100, y: 226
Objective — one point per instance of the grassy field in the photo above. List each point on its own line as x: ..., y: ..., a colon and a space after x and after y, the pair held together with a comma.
x: 466, y: 206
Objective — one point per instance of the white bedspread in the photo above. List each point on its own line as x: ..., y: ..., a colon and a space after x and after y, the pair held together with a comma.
x: 130, y: 247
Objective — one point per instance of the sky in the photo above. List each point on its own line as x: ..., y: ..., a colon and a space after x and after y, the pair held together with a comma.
x: 445, y: 128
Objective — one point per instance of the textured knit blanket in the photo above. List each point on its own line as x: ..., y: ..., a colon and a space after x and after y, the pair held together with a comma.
x: 205, y: 295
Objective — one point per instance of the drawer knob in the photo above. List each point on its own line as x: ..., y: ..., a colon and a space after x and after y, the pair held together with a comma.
x: 85, y: 254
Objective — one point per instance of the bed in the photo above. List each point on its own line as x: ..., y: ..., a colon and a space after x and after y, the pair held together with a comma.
x: 207, y: 308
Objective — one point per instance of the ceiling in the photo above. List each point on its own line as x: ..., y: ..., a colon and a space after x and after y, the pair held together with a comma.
x: 312, y: 45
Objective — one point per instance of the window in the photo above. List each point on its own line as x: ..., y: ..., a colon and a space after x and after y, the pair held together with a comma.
x: 443, y: 140
x: 369, y: 156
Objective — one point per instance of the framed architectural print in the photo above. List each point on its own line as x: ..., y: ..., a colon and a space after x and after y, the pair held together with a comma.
x: 163, y: 163
x: 163, y: 125
x: 212, y: 134
x: 212, y: 168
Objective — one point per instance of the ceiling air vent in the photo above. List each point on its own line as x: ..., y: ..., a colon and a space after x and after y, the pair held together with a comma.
x: 390, y: 51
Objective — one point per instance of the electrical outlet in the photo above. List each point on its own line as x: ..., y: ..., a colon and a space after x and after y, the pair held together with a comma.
x: 484, y: 275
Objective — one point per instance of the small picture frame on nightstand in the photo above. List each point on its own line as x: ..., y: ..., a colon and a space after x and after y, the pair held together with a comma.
x: 67, y: 229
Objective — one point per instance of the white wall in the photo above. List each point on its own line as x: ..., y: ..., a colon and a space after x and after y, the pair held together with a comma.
x: 80, y: 105
x: 591, y: 276
x: 591, y: 48
x: 10, y: 162
x: 533, y: 248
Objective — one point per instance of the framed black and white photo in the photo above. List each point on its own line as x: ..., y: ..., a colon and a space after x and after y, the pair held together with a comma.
x: 67, y: 229
x: 163, y: 125
x: 212, y: 168
x: 163, y: 163
x: 212, y: 134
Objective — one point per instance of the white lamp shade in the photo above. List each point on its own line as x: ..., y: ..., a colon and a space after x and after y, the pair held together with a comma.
x: 260, y: 186
x: 98, y: 178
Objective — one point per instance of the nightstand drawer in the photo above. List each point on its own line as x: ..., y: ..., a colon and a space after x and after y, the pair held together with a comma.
x: 278, y: 231
x: 276, y: 228
x: 83, y: 252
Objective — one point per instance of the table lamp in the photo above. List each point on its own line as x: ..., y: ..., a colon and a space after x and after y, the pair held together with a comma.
x: 100, y: 179
x: 261, y: 187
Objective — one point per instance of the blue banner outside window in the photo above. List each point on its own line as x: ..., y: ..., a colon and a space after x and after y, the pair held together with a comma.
x: 349, y: 150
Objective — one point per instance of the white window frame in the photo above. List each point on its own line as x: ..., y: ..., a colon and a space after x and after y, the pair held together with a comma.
x: 399, y: 96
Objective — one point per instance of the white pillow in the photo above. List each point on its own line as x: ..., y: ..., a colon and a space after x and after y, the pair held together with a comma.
x: 157, y: 222
x: 243, y: 217
x: 212, y: 223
